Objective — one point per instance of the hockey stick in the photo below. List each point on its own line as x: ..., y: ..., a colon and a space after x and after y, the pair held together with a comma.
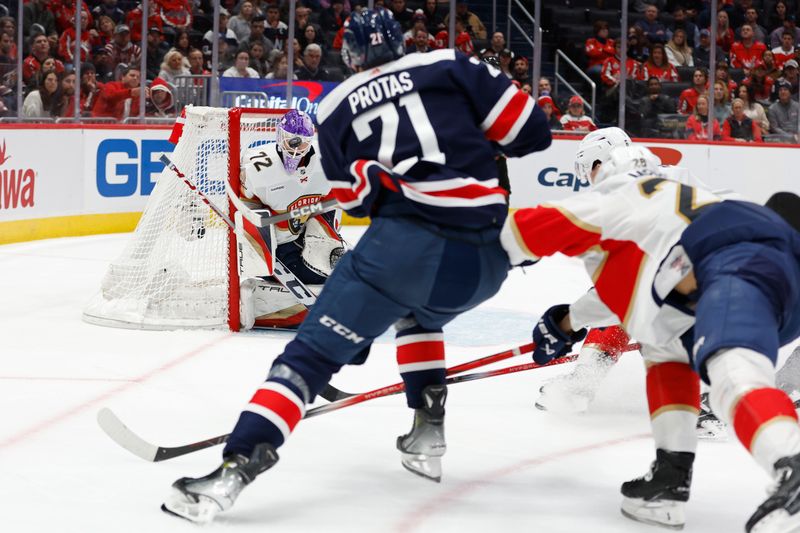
x: 119, y: 432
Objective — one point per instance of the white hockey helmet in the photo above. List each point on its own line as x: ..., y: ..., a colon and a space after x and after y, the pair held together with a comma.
x: 628, y: 159
x: 595, y: 149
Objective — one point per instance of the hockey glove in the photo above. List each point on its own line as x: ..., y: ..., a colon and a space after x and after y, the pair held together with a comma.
x: 548, y: 337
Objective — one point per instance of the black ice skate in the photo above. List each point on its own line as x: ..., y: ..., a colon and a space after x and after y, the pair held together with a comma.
x: 423, y: 447
x: 708, y: 425
x: 200, y: 499
x: 659, y: 497
x: 779, y: 513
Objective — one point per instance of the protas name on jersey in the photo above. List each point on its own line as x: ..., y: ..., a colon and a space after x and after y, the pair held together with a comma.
x: 381, y: 137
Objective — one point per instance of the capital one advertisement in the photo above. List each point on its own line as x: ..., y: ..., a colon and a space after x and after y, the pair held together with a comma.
x: 306, y: 95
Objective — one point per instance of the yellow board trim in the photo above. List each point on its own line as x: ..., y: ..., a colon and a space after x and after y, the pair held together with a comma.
x: 70, y: 226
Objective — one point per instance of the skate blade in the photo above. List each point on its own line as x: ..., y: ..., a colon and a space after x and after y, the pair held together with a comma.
x: 712, y: 430
x: 202, y: 511
x: 565, y: 404
x: 778, y: 521
x: 423, y: 465
x: 663, y: 513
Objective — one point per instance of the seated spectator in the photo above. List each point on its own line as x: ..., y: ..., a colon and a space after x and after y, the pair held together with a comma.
x: 505, y: 58
x: 176, y: 14
x: 332, y: 18
x: 298, y: 55
x: 463, y: 41
x: 257, y: 26
x: 609, y: 73
x: 66, y: 43
x: 777, y: 16
x: 65, y: 107
x: 44, y: 101
x: 679, y: 53
x: 275, y: 29
x: 575, y: 119
x: 657, y: 66
x: 722, y: 108
x: 197, y: 63
x: 760, y: 83
x: 790, y: 76
x: 759, y: 32
x: 32, y: 65
x: 653, y: 104
x: 401, y: 13
x: 546, y: 88
x: 161, y: 102
x: 301, y: 18
x: 785, y: 51
x: 725, y: 36
x: 241, y: 67
x: 104, y: 65
x: 472, y: 24
x: 133, y: 20
x: 420, y: 44
x: 520, y: 71
x: 90, y: 88
x: 240, y: 23
x: 549, y: 107
x: 7, y: 56
x: 770, y: 68
x: 697, y: 124
x: 418, y: 22
x: 688, y: 98
x: 258, y: 59
x: 681, y: 22
x: 739, y: 127
x: 38, y: 12
x: 312, y: 71
x: 157, y: 49
x: 105, y: 31
x: 434, y: 16
x: 280, y: 65
x: 118, y: 98
x: 637, y: 44
x: 702, y: 53
x: 498, y: 43
x: 788, y: 26
x: 173, y: 66
x: 598, y: 48
x: 783, y: 114
x: 723, y: 75
x: 653, y: 30
x: 745, y: 54
x: 122, y: 50
x: 183, y: 43
x: 108, y: 8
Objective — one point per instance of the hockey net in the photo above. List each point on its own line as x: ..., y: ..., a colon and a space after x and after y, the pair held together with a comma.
x: 179, y: 269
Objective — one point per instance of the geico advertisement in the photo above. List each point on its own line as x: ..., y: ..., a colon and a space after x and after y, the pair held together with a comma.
x: 39, y: 175
x: 122, y: 167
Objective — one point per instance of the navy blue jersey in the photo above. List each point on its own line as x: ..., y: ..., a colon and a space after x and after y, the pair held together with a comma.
x: 418, y: 136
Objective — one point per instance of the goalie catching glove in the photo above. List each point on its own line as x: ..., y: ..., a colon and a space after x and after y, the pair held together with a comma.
x: 550, y: 340
x: 322, y: 245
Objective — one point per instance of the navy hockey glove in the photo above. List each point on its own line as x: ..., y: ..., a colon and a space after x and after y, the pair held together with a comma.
x: 550, y: 340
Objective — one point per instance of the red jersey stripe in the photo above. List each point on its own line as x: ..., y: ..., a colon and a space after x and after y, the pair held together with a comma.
x: 507, y: 117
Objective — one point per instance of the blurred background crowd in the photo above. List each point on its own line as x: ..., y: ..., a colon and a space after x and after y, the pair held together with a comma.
x: 750, y: 93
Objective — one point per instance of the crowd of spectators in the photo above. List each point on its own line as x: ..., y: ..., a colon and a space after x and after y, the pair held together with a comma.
x: 252, y: 43
x: 757, y: 79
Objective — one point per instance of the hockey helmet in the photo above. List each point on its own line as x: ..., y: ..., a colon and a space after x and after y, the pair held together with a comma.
x: 628, y: 159
x: 371, y: 38
x: 295, y: 133
x: 595, y: 149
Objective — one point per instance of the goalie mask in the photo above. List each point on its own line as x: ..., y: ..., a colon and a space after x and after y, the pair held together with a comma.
x: 295, y: 133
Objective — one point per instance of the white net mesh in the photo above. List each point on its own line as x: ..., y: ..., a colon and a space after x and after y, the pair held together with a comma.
x: 174, y: 272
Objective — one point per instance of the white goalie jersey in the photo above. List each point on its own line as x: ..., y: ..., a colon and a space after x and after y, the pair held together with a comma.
x: 267, y: 183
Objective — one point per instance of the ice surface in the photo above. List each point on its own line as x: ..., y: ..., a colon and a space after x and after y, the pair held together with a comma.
x: 509, y: 467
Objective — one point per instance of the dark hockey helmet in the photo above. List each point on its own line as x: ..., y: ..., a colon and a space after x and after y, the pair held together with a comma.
x: 371, y: 38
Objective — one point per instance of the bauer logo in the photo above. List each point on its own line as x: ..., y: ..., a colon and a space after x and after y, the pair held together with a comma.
x: 17, y: 183
x: 551, y: 177
x: 126, y: 167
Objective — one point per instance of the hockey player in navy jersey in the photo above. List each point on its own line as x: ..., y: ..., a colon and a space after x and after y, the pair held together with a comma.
x: 411, y: 142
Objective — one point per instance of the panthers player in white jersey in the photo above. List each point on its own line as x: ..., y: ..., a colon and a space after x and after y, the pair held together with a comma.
x: 282, y: 176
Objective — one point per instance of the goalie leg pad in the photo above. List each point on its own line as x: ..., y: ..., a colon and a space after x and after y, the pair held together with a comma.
x: 266, y: 303
x: 256, y: 248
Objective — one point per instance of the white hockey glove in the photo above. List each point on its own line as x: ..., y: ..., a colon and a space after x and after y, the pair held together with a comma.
x: 322, y: 248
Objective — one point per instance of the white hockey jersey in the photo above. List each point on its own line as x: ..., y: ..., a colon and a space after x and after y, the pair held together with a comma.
x: 626, y: 230
x: 265, y: 181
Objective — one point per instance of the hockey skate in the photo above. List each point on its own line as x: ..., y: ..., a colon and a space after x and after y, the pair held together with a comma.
x: 423, y: 447
x: 659, y: 497
x: 709, y: 427
x: 573, y: 392
x: 201, y: 499
x: 779, y: 513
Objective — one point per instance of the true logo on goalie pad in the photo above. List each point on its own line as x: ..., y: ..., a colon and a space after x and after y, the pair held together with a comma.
x: 339, y: 329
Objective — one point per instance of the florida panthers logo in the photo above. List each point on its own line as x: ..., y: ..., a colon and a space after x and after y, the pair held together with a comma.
x: 296, y: 225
